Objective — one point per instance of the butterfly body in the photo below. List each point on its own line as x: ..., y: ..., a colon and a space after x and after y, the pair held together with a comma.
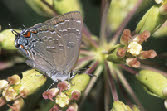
x: 52, y: 47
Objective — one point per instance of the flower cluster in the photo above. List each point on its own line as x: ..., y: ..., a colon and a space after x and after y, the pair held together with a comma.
x: 11, y: 90
x: 130, y: 48
x: 60, y: 95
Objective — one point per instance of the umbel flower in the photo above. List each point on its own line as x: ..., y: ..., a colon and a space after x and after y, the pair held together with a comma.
x: 109, y: 63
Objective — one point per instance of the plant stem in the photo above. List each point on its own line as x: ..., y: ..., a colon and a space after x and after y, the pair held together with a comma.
x: 128, y: 69
x: 88, y: 35
x: 50, y: 6
x: 92, y: 81
x: 111, y: 84
x: 104, y: 9
x: 129, y: 89
x: 125, y: 22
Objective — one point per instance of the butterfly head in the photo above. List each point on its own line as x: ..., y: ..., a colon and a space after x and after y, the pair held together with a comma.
x: 21, y: 38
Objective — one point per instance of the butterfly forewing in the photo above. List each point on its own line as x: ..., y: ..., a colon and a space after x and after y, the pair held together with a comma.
x: 55, y: 48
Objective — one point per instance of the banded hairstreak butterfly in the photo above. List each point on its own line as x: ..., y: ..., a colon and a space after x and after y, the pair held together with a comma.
x: 52, y: 47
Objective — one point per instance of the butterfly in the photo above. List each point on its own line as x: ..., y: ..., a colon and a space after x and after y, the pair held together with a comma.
x: 52, y: 47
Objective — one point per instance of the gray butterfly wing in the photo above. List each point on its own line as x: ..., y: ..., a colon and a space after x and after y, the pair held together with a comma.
x: 55, y: 48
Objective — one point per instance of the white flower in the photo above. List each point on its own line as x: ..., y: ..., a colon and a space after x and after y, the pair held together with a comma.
x: 134, y: 48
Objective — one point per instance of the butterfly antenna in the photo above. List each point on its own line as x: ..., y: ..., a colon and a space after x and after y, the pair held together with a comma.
x: 14, y: 32
x: 24, y: 26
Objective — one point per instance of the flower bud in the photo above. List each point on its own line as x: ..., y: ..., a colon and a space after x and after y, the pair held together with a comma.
x: 164, y: 91
x: 75, y: 95
x: 147, y: 54
x: 121, y: 52
x: 3, y: 84
x: 143, y: 36
x: 50, y: 93
x: 132, y: 62
x: 55, y: 108
x: 24, y: 93
x: 15, y: 79
x: 18, y: 104
x: 126, y: 36
x: 73, y: 107
x: 63, y: 86
x: 2, y: 101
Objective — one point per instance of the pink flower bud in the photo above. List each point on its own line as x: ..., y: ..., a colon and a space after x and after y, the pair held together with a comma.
x: 143, y: 36
x: 2, y: 101
x: 147, y: 54
x: 15, y: 79
x: 23, y: 93
x: 121, y: 52
x: 126, y: 36
x: 75, y: 95
x: 132, y: 62
x: 50, y: 93
x: 63, y: 86
x: 18, y: 104
x: 73, y: 107
x: 54, y: 108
